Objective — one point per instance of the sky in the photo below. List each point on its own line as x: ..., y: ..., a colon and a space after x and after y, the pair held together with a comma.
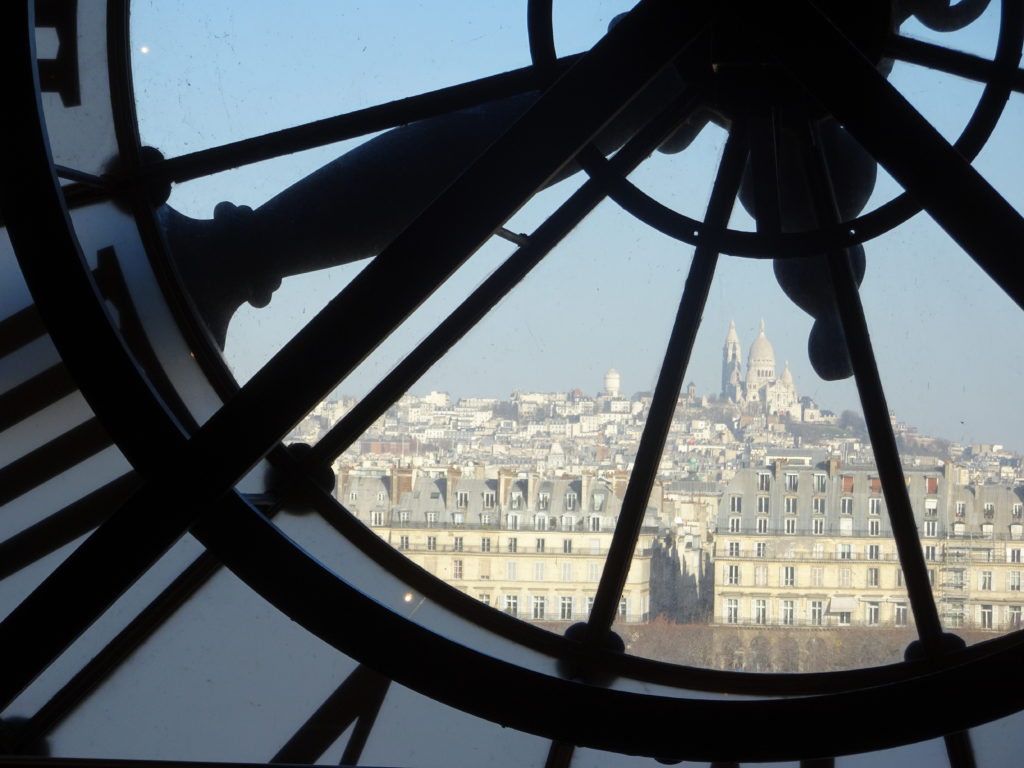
x: 944, y: 336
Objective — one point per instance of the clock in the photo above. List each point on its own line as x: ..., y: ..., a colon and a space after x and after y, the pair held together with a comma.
x: 167, y: 561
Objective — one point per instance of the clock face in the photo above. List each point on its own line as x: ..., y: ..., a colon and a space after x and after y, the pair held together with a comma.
x: 501, y: 198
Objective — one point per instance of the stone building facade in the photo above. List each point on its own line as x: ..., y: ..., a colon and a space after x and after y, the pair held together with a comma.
x: 528, y: 545
x: 806, y: 543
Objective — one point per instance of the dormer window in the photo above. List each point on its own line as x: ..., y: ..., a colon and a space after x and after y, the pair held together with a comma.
x: 516, y: 501
x: 543, y: 500
x: 489, y: 499
x: 462, y: 499
x: 570, y: 501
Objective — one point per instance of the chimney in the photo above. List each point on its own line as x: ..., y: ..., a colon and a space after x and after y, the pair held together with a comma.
x: 341, y: 483
x: 506, y: 477
x: 833, y: 467
x: 454, y: 475
x: 401, y: 482
x: 619, y: 482
x: 586, y: 483
x: 532, y: 484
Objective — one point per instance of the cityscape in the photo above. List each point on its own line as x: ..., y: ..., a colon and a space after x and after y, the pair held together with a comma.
x: 765, y: 544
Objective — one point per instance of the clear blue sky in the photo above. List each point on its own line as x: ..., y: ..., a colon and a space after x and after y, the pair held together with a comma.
x: 946, y: 340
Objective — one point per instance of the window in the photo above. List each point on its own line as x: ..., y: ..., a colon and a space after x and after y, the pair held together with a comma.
x: 817, y: 577
x: 873, y: 577
x: 462, y: 499
x: 540, y: 522
x: 566, y: 546
x: 843, y: 618
x: 566, y: 571
x: 931, y: 528
x: 590, y: 604
x: 1017, y: 510
x: 989, y: 510
x: 899, y: 614
x: 986, y: 530
x: 817, y: 526
x: 565, y: 608
x: 899, y: 577
x: 961, y: 509
x: 929, y: 552
x: 762, y: 549
x: 516, y: 500
x: 539, y: 606
x: 734, y: 525
x: 872, y: 614
x: 846, y: 526
x: 568, y: 523
x: 431, y: 543
x: 403, y: 542
x: 512, y: 604
x: 485, y: 544
x: 844, y: 551
x: 817, y: 612
x: 818, y: 506
x: 734, y: 549
x: 788, y: 576
x: 597, y: 502
x: 377, y: 517
x: 845, y: 577
x: 931, y: 485
x: 931, y: 576
x: 1013, y: 581
x: 595, y: 523
x: 762, y: 525
x: 512, y: 570
x: 513, y: 545
x: 760, y: 611
x: 403, y: 517
x: 540, y: 545
x: 732, y: 574
x: 1013, y: 616
x: 874, y: 485
x: 485, y: 519
x: 874, y: 506
x: 818, y: 551
x: 736, y: 504
x: 623, y: 606
x: 456, y: 569
x: 847, y: 482
x: 543, y: 500
x: 790, y: 525
x: 820, y: 483
x: 538, y: 571
x: 1013, y: 555
x: 431, y: 519
x: 788, y: 612
x: 791, y: 505
x: 985, y: 582
x: 489, y: 499
x: 846, y: 505
x: 764, y: 481
x: 931, y: 507
x: 873, y: 552
x: 761, y: 576
x: 485, y: 598
x: 986, y: 617
x: 458, y: 519
x: 792, y: 481
x: 570, y: 501
x: 763, y: 505
x: 732, y: 611
x: 593, y: 571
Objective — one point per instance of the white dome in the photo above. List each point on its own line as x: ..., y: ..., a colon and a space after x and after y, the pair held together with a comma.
x: 761, y: 351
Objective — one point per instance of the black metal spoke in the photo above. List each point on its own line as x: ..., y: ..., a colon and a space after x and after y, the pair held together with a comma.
x: 353, y: 124
x: 535, y: 247
x: 34, y: 394
x: 960, y: 200
x: 666, y: 396
x: 952, y: 62
x: 358, y: 700
x: 933, y: 642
